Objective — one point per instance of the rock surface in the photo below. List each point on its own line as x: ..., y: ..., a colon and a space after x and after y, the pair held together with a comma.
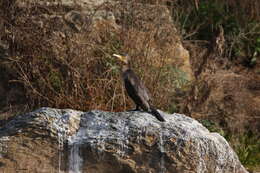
x: 55, y: 140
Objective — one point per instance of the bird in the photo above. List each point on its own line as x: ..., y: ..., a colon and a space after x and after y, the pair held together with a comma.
x: 136, y: 89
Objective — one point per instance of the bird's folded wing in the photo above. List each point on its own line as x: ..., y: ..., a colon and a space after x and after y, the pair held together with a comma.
x: 138, y: 86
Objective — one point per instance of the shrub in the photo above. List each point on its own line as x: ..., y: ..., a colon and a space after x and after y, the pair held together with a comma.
x: 239, y: 19
x: 62, y: 66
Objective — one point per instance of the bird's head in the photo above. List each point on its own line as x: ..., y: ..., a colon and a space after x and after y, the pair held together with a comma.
x: 124, y: 58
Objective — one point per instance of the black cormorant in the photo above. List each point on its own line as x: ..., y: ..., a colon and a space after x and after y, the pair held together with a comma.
x: 136, y: 89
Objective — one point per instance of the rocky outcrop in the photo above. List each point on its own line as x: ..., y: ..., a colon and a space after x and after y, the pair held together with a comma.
x: 55, y: 140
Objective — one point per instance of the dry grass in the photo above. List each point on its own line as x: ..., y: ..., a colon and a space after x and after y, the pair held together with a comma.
x: 60, y: 66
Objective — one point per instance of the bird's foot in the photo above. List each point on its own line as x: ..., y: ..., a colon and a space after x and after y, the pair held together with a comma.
x: 136, y: 109
x: 131, y: 110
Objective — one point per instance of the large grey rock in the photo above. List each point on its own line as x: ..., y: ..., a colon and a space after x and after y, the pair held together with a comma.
x: 54, y: 140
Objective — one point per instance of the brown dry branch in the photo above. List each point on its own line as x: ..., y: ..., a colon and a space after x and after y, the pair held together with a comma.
x: 69, y: 65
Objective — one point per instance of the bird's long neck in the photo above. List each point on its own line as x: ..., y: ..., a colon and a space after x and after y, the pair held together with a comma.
x: 126, y: 67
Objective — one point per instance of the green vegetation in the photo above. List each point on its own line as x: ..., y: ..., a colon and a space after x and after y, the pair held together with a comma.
x: 247, y: 145
x: 248, y: 149
x: 240, y: 21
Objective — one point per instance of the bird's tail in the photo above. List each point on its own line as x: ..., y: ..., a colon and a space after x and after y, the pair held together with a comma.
x: 155, y: 113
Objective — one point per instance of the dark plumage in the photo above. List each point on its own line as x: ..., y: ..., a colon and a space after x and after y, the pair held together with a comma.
x: 136, y: 89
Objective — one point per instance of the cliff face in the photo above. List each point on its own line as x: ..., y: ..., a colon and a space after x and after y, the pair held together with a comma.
x: 55, y: 140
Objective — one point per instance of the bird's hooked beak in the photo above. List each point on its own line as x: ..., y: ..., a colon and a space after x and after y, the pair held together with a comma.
x: 122, y: 58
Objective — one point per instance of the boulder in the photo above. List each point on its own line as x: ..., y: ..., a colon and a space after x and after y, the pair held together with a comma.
x: 64, y: 140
